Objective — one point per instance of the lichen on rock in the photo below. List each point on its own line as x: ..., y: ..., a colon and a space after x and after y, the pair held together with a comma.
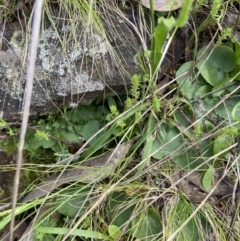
x: 73, y: 65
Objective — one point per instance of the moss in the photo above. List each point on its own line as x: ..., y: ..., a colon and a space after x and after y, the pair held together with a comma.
x: 18, y: 40
x: 9, y: 146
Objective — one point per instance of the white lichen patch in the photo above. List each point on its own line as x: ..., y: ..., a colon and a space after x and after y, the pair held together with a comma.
x: 95, y: 47
x: 68, y: 63
x: 80, y: 84
x: 59, y: 56
x: 9, y: 71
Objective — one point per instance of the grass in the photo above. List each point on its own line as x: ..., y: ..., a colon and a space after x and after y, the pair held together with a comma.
x: 189, y: 129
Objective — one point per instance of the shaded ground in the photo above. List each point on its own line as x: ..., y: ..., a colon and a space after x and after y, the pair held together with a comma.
x: 7, y: 166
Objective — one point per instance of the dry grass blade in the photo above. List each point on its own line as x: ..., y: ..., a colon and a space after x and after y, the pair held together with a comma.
x: 27, y: 102
x: 90, y: 171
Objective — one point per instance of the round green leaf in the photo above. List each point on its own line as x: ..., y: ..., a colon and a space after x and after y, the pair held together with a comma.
x: 48, y: 143
x: 90, y: 129
x: 202, y: 91
x: 186, y: 83
x: 114, y: 231
x: 83, y: 114
x: 68, y: 135
x: 225, y: 109
x: 72, y: 202
x: 215, y: 63
x: 111, y: 102
x: 119, y: 210
x: 201, y: 107
x: 222, y: 143
x: 166, y: 142
x: 191, y: 231
x: 196, y: 156
x: 187, y: 86
x: 147, y: 226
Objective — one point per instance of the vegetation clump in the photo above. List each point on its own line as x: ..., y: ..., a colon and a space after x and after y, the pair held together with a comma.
x: 178, y: 178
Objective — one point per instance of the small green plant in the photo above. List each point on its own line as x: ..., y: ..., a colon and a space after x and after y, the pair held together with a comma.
x: 50, y: 223
x: 57, y: 132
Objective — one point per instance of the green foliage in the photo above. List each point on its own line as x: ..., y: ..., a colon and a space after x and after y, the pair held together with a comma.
x: 217, y: 10
x: 71, y: 203
x: 90, y: 129
x: 118, y: 214
x: 171, y: 143
x: 184, y: 13
x: 75, y: 126
x: 182, y: 210
x: 3, y: 123
x: 45, y: 236
x: 41, y: 135
x: 179, y: 131
x: 135, y: 81
x: 114, y: 231
x: 159, y: 38
x: 225, y: 34
x: 74, y: 232
x: 187, y: 80
x: 215, y: 64
x: 208, y: 177
x: 145, y: 226
x: 225, y: 139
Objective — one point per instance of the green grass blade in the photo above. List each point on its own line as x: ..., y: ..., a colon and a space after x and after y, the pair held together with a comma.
x: 75, y: 232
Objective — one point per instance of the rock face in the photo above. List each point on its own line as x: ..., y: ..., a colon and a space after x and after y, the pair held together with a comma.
x: 69, y: 70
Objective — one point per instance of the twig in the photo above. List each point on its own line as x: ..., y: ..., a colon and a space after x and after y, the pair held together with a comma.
x: 26, y: 103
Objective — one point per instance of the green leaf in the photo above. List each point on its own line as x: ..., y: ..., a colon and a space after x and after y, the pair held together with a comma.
x: 72, y: 202
x: 237, y: 53
x: 48, y: 143
x: 181, y: 113
x: 166, y: 142
x: 114, y: 231
x: 216, y: 91
x: 225, y: 109
x: 3, y: 123
x: 82, y: 115
x: 159, y: 38
x: 201, y: 107
x: 215, y: 63
x: 191, y: 230
x: 184, y: 13
x: 187, y: 85
x: 208, y: 178
x: 111, y: 102
x: 90, y: 129
x: 147, y: 226
x: 203, y: 90
x: 148, y: 143
x: 75, y: 232
x: 236, y: 112
x: 107, y: 134
x: 195, y: 156
x: 235, y: 74
x: 119, y: 210
x: 68, y: 135
x: 32, y: 143
x: 222, y: 143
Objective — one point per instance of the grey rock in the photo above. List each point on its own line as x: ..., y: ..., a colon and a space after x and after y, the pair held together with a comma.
x: 68, y: 72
